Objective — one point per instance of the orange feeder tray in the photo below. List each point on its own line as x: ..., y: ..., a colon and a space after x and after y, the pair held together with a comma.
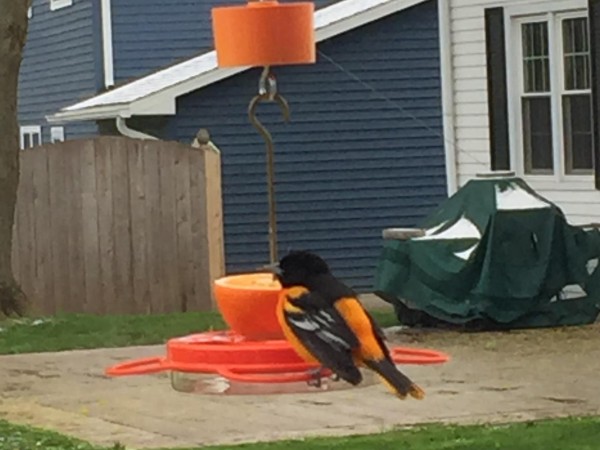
x: 236, y: 359
x: 264, y: 33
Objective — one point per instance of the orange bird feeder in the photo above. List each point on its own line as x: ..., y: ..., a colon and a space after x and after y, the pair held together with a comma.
x: 264, y: 33
x: 254, y: 351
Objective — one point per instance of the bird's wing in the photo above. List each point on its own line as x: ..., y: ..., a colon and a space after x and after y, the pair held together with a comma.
x: 321, y: 329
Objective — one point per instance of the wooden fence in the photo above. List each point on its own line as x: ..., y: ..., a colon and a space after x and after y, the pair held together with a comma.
x: 118, y: 225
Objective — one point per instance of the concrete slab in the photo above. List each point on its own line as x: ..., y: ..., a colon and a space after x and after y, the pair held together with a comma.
x: 492, y: 377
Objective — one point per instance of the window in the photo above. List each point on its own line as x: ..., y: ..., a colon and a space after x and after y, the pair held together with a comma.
x: 30, y: 136
x: 536, y: 108
x: 57, y: 134
x: 555, y: 108
x: 59, y: 4
x: 576, y: 96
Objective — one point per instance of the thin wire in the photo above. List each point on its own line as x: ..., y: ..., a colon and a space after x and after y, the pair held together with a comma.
x: 399, y: 107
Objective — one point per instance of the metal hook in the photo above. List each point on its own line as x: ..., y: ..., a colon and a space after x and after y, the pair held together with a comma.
x: 267, y: 92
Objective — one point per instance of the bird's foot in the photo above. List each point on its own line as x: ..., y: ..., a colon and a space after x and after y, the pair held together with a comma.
x: 315, y: 377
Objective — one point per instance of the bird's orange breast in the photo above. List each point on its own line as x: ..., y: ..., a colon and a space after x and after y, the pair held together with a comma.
x: 284, y: 306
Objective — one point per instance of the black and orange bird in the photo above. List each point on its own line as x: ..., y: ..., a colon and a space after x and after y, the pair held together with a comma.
x: 326, y: 324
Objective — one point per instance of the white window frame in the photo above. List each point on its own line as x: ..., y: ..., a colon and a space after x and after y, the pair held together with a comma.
x: 59, y: 4
x: 57, y: 134
x: 552, y: 12
x: 561, y: 92
x: 31, y: 130
x: 518, y: 111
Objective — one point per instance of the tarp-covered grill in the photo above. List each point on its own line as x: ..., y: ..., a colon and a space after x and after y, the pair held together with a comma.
x: 495, y: 254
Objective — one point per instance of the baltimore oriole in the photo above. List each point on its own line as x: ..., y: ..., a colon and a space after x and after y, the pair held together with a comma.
x: 326, y: 324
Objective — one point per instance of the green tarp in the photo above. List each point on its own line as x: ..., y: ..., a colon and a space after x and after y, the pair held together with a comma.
x: 495, y: 253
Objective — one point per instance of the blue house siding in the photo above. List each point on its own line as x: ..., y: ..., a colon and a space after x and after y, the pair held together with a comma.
x: 150, y: 34
x: 58, y: 65
x: 355, y: 158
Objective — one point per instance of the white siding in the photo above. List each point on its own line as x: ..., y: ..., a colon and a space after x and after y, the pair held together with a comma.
x: 578, y: 198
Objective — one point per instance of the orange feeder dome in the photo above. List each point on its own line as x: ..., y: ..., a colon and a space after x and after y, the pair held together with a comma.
x: 264, y: 33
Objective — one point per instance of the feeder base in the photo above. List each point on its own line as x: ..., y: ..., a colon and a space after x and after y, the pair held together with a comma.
x: 223, y: 362
x: 203, y: 384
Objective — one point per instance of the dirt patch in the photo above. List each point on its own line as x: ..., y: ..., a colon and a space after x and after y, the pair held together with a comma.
x: 519, y: 342
x: 517, y: 375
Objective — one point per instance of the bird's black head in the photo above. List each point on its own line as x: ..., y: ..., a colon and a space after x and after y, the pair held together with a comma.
x: 299, y: 267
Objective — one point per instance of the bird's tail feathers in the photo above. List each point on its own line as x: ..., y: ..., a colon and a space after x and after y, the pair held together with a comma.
x: 396, y: 381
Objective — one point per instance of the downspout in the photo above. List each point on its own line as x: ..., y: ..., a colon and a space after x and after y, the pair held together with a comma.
x: 107, y: 44
x: 447, y: 80
x: 126, y: 131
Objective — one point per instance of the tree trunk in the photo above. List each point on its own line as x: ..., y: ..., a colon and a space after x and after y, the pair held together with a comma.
x: 13, y: 32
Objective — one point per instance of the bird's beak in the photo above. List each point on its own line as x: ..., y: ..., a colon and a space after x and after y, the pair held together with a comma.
x: 273, y: 268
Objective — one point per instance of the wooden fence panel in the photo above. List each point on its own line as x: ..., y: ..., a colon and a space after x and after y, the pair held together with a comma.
x: 198, y: 219
x: 91, y: 238
x: 116, y: 225
x: 104, y: 191
x: 59, y: 230
x: 121, y: 263
x: 139, y: 236
x: 183, y: 213
x: 72, y: 208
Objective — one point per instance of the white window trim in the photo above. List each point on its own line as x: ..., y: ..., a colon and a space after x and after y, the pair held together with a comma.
x: 561, y: 91
x: 59, y: 4
x: 514, y: 17
x: 57, y: 134
x: 30, y: 130
x: 544, y: 8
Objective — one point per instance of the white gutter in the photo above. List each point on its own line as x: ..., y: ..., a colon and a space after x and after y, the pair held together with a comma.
x: 107, y: 44
x: 99, y: 113
x: 126, y: 131
x: 447, y: 79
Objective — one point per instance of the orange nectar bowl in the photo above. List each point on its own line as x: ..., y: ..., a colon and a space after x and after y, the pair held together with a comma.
x: 247, y: 302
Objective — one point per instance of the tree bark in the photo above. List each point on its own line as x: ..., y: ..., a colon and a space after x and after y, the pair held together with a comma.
x: 13, y: 33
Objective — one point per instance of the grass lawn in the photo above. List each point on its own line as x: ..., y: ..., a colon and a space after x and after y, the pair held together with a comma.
x: 564, y: 434
x: 76, y: 331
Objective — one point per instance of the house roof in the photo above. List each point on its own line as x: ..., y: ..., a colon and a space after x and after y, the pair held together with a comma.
x: 156, y: 94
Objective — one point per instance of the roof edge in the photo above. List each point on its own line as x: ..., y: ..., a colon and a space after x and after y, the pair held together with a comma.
x: 326, y: 26
x: 95, y: 113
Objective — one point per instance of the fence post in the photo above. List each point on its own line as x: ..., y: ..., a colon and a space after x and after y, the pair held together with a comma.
x: 214, y: 206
